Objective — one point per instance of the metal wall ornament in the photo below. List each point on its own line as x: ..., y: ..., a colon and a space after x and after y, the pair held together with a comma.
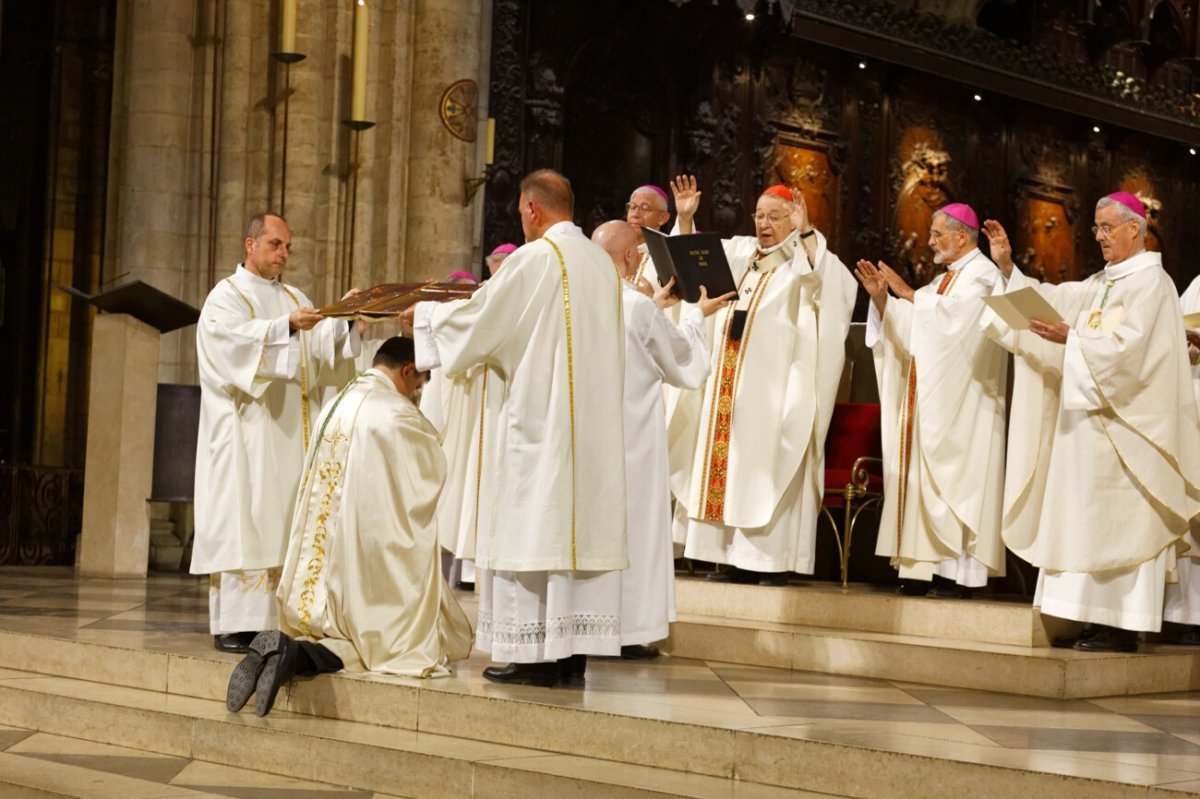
x: 458, y: 109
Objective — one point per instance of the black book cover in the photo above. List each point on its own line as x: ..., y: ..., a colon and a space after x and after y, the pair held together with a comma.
x: 694, y: 260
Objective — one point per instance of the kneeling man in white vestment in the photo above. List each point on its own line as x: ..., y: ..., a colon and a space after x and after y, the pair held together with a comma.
x: 1103, y: 472
x: 941, y: 391
x: 362, y: 588
x: 549, y: 325
x: 657, y: 353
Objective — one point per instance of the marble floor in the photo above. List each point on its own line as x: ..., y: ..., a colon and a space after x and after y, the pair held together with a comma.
x: 1150, y: 743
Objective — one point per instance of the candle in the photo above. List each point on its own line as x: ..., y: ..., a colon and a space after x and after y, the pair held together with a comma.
x: 358, y: 92
x: 490, y: 152
x: 287, y: 27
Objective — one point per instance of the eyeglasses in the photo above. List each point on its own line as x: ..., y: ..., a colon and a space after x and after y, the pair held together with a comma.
x: 645, y: 208
x: 1105, y: 230
x: 772, y: 219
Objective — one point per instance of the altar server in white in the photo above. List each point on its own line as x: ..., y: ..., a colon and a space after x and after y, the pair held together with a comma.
x: 754, y: 489
x: 1103, y: 473
x: 550, y: 325
x: 657, y: 353
x: 941, y: 387
x: 264, y: 353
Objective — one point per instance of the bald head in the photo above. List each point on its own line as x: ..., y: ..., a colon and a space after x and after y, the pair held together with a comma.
x: 620, y: 241
x: 546, y: 199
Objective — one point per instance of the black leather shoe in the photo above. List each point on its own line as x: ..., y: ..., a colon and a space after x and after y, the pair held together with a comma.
x: 571, y: 670
x: 1109, y: 639
x: 234, y: 642
x: 1069, y: 641
x: 279, y: 654
x: 1189, y: 636
x: 913, y: 588
x: 732, y: 574
x: 543, y: 674
x: 639, y: 652
x: 949, y: 591
x: 772, y: 578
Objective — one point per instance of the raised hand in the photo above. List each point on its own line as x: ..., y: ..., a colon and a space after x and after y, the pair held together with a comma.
x: 799, y: 215
x: 895, y: 282
x: 642, y: 286
x: 709, y: 305
x: 663, y: 298
x: 687, y: 196
x: 872, y: 279
x: 406, y: 321
x: 999, y: 245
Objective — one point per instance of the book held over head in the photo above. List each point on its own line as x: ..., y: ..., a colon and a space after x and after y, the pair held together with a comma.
x: 388, y: 299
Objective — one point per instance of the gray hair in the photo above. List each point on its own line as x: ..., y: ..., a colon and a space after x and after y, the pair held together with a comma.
x: 1126, y: 213
x: 955, y: 225
x: 660, y: 202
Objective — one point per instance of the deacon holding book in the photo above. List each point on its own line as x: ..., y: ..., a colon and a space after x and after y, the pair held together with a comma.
x: 1103, y: 472
x: 550, y: 324
x: 941, y: 387
x: 263, y: 353
x: 657, y: 353
x: 754, y: 487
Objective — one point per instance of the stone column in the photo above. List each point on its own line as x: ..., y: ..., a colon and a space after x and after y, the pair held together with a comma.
x: 120, y: 448
x: 440, y: 230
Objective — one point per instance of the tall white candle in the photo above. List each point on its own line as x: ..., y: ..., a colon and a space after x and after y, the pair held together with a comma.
x: 358, y: 93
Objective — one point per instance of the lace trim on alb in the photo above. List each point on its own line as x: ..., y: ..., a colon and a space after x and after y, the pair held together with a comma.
x: 581, y: 625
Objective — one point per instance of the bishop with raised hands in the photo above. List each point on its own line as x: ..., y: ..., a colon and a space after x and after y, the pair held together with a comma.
x: 1103, y: 473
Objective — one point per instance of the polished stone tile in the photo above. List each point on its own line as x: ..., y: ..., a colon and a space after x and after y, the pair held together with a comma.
x: 34, y: 777
x: 1087, y: 740
x: 101, y: 757
x: 237, y: 782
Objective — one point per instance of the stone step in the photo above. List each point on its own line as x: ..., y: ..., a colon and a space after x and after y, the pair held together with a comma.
x: 1026, y: 670
x: 461, y: 738
x: 872, y: 609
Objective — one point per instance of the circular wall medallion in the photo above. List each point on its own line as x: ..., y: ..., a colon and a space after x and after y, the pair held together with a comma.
x: 458, y: 106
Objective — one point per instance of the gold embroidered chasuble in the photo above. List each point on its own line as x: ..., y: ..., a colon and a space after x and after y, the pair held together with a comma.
x: 761, y: 423
x: 260, y: 393
x: 363, y: 569
x: 1103, y: 471
x: 549, y: 326
x: 942, y: 396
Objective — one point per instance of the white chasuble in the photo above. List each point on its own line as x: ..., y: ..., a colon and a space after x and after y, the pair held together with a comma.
x: 464, y: 409
x: 942, y: 388
x: 657, y: 354
x: 549, y: 325
x: 1104, y: 445
x: 362, y: 574
x: 260, y: 392
x: 757, y: 476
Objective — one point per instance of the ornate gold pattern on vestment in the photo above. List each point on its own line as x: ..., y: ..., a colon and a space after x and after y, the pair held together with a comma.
x: 1094, y: 317
x: 716, y: 452
x: 566, y: 289
x: 330, y: 474
x: 479, y: 455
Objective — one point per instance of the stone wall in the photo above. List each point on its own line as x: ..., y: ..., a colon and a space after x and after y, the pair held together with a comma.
x: 197, y: 146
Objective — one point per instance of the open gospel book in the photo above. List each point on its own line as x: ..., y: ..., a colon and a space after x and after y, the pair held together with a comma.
x: 388, y: 299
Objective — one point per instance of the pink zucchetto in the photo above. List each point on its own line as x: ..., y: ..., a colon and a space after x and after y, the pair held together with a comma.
x: 661, y: 192
x: 504, y: 249
x: 1129, y: 201
x: 962, y: 213
x: 467, y: 276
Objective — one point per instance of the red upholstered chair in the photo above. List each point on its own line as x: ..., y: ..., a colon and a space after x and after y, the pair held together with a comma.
x: 853, y: 471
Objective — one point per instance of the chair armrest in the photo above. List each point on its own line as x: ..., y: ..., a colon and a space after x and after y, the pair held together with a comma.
x: 859, y: 474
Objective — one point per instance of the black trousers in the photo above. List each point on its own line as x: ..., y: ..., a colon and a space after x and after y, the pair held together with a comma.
x: 316, y: 659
